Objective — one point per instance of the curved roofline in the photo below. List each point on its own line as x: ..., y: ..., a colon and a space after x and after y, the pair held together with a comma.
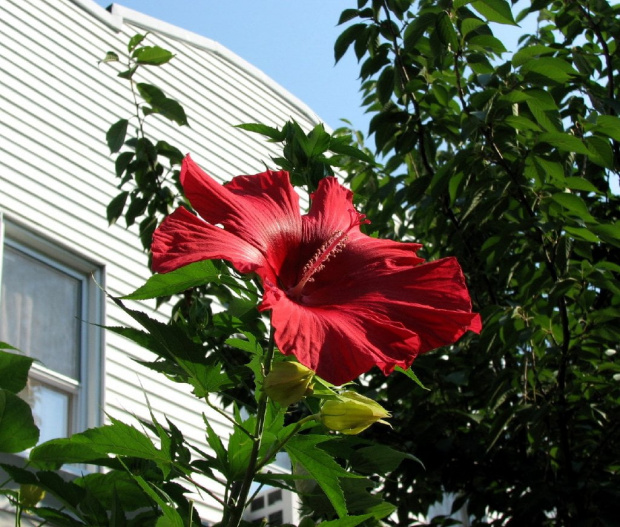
x: 117, y: 15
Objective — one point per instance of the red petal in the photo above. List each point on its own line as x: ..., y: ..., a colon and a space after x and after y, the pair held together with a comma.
x: 183, y: 238
x: 263, y: 209
x: 338, y: 342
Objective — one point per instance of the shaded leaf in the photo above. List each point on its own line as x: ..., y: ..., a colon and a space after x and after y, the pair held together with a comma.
x: 115, y: 136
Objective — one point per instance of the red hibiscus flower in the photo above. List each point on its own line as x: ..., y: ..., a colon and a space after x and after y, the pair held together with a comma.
x: 341, y: 302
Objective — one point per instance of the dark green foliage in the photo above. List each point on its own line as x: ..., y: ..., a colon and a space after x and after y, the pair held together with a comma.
x: 511, y: 164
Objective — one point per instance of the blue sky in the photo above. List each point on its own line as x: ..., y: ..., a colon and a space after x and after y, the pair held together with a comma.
x: 290, y: 40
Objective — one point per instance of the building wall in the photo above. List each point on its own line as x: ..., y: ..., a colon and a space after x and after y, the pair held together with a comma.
x: 56, y: 176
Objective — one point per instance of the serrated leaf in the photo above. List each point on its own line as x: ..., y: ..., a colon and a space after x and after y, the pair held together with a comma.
x: 152, y: 55
x: 321, y: 466
x: 609, y: 125
x: 416, y: 29
x: 17, y: 429
x: 521, y: 123
x: 564, y: 142
x: 495, y: 11
x: 530, y: 52
x: 117, y: 438
x: 574, y: 204
x: 470, y: 24
x: 600, y: 151
x: 347, y: 14
x: 346, y: 38
x: 14, y: 369
x: 609, y: 232
x: 579, y: 183
x: 548, y: 70
x: 446, y: 32
x: 115, y: 136
x: 177, y: 281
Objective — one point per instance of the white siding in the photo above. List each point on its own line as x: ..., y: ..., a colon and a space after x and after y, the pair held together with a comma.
x: 56, y: 177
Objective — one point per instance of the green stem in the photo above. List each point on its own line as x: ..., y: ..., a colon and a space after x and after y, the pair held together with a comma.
x: 239, y: 498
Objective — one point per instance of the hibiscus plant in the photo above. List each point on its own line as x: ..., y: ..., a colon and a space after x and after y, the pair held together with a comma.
x: 310, y: 301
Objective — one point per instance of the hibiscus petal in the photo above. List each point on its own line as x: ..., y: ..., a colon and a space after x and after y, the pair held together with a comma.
x: 331, y: 210
x: 263, y: 209
x: 183, y: 238
x: 338, y: 342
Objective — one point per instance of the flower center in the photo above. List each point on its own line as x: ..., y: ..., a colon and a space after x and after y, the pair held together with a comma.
x: 334, y: 245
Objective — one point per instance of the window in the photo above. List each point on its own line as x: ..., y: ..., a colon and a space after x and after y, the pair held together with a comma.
x: 274, y: 497
x: 49, y: 305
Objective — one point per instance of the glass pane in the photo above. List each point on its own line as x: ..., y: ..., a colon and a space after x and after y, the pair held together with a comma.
x: 51, y: 409
x: 40, y: 311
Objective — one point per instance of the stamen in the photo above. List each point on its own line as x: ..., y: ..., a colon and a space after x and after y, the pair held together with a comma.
x: 334, y: 245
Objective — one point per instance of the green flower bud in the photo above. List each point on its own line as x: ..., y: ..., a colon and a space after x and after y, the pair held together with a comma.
x: 288, y: 382
x: 30, y: 495
x: 352, y: 413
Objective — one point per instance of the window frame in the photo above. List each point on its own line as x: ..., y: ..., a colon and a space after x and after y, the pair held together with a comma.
x: 87, y: 408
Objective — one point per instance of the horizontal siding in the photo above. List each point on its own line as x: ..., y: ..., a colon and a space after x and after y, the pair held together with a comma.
x: 56, y: 176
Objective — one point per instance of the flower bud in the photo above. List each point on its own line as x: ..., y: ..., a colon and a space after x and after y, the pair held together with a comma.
x: 352, y: 413
x: 30, y: 495
x: 288, y: 382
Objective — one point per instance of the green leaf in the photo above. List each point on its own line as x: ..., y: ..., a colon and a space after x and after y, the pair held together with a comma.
x: 609, y: 232
x: 177, y: 281
x: 574, y: 204
x: 609, y: 125
x: 409, y: 373
x: 600, y: 151
x: 115, y: 208
x: 346, y: 38
x: 521, y: 123
x: 17, y: 429
x: 152, y: 55
x: 416, y: 29
x: 110, y: 56
x: 446, y: 32
x: 579, y: 183
x: 161, y: 104
x: 342, y: 146
x: 379, y: 459
x: 349, y: 521
x: 321, y: 466
x: 273, y: 133
x: 128, y: 74
x: 548, y: 70
x: 470, y: 24
x: 14, y: 369
x: 135, y: 40
x: 564, y: 142
x: 581, y: 233
x: 117, y: 438
x: 530, y: 52
x: 495, y: 11
x: 115, y: 136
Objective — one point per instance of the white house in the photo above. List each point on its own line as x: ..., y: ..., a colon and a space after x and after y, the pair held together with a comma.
x: 57, y: 177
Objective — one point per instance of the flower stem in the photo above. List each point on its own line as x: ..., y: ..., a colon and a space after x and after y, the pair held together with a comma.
x: 239, y: 498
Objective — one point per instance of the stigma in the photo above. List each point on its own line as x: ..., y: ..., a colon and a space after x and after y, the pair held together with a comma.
x: 334, y: 245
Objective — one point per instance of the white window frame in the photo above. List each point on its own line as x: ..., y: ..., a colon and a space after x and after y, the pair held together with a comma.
x: 87, y: 410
